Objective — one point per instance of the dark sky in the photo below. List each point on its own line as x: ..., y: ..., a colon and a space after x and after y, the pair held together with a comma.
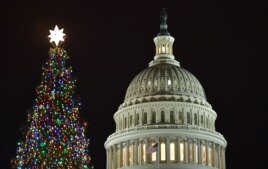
x: 222, y: 43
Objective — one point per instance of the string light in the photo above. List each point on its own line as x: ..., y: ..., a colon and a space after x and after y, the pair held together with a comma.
x: 55, y: 138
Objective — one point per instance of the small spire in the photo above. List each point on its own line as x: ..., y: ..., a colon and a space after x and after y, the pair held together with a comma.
x: 163, y: 25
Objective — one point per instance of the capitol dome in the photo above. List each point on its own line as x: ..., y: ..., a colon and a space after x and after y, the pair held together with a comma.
x: 165, y: 79
x: 165, y: 121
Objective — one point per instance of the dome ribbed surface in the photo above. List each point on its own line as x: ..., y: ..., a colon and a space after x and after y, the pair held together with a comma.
x: 165, y: 79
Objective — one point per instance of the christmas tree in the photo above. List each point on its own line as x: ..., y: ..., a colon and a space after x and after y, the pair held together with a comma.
x: 55, y: 136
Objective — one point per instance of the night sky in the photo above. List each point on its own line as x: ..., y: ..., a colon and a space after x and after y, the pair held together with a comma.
x: 224, y: 44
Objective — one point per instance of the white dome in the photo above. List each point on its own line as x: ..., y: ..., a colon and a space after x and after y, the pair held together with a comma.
x: 164, y: 79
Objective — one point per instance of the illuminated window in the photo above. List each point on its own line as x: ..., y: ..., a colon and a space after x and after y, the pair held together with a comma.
x: 191, y: 152
x: 163, y: 151
x: 172, y: 151
x: 153, y: 154
x: 163, y: 49
x: 181, y: 151
x: 169, y: 82
x: 204, y: 154
x: 130, y: 154
x: 124, y: 156
x: 196, y: 153
x: 149, y: 83
x: 143, y: 152
x: 209, y: 156
x: 139, y: 153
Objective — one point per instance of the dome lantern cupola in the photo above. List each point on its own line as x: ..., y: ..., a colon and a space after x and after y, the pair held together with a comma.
x: 163, y: 41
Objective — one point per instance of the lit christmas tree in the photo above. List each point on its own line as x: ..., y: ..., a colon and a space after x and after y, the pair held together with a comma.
x: 55, y: 136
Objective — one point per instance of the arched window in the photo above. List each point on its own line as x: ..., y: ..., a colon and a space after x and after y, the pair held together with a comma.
x: 163, y: 49
x: 171, y: 117
x: 125, y: 122
x: 188, y: 118
x: 163, y: 152
x: 144, y: 118
x: 181, y: 151
x: 153, y: 117
x: 130, y: 121
x: 138, y: 119
x: 202, y: 120
x: 162, y: 117
x: 207, y: 122
x: 169, y: 82
x: 180, y: 118
x: 172, y: 151
x: 195, y: 119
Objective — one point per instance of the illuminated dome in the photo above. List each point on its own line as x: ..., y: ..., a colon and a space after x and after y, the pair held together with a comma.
x: 165, y: 120
x: 164, y: 79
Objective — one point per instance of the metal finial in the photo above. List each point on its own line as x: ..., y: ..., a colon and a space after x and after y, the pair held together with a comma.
x: 163, y: 25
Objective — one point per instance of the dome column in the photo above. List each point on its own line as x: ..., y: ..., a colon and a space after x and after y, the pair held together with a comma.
x: 158, y: 152
x: 199, y: 152
x: 223, y: 158
x: 114, y: 157
x: 194, y: 154
x: 178, y: 150
x: 140, y: 151
x: 119, y: 155
x: 107, y: 158
x: 214, y: 156
x: 207, y: 153
x: 135, y: 162
x: 168, y: 150
x: 110, y: 158
x: 186, y: 145
x: 146, y: 155
x: 127, y: 152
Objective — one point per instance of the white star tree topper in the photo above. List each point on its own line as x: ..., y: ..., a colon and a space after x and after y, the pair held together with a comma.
x: 56, y: 35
